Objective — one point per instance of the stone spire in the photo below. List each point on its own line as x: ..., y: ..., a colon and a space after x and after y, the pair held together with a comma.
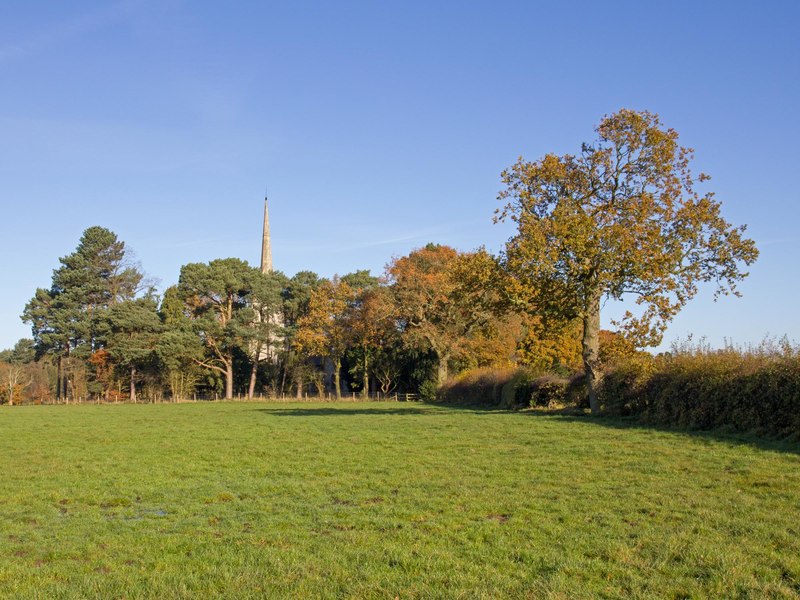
x: 266, y: 245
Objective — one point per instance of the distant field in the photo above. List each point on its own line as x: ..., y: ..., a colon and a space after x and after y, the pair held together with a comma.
x: 246, y: 500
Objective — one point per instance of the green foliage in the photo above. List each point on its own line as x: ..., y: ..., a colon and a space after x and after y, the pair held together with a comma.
x: 215, y: 295
x: 71, y: 318
x: 23, y: 352
x: 428, y: 390
x: 173, y: 311
x: 264, y: 332
x: 297, y: 295
x: 361, y: 280
x: 756, y: 389
x: 134, y: 328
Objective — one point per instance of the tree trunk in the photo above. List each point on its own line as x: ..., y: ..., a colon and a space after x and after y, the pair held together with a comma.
x: 283, y: 377
x: 441, y: 375
x: 64, y: 378
x: 59, y: 378
x: 591, y: 351
x: 337, y: 366
x: 253, y: 373
x: 133, y: 384
x: 365, y: 380
x: 229, y: 380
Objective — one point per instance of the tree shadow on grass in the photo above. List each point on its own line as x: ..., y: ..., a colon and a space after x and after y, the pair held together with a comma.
x: 342, y: 411
x: 569, y: 415
x: 574, y: 415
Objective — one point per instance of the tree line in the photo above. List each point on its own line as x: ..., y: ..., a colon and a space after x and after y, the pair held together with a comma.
x: 228, y: 329
x: 622, y: 217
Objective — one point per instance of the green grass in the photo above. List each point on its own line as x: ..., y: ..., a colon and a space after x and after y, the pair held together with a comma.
x: 246, y: 500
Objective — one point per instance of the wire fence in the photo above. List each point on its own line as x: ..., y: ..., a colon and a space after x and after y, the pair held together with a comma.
x: 309, y: 398
x: 352, y: 397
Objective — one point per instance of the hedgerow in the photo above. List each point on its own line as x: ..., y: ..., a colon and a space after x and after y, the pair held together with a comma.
x: 692, y: 387
x: 753, y: 389
x: 510, y: 388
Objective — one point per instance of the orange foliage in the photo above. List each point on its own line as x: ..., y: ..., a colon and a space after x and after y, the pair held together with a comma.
x: 103, y: 368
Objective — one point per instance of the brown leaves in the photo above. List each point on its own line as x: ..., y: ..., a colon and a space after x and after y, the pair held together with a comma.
x: 323, y: 331
x: 622, y: 217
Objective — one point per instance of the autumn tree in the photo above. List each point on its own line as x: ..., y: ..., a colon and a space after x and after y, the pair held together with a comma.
x: 14, y: 370
x: 296, y: 297
x: 492, y: 329
x: 371, y: 322
x: 365, y: 319
x: 621, y: 217
x: 442, y: 298
x: 102, y: 365
x: 324, y: 331
x: 551, y: 345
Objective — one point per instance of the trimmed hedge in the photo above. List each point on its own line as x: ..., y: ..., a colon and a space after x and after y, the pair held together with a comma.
x: 726, y: 389
x: 510, y: 388
x: 756, y: 390
x: 476, y: 386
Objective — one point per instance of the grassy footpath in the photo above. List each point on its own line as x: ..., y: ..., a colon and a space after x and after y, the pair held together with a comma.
x: 244, y: 500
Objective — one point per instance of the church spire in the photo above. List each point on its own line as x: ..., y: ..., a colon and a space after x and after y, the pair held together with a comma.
x: 266, y: 245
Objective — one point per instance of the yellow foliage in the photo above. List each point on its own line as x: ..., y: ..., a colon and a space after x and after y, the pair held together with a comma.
x: 547, y: 348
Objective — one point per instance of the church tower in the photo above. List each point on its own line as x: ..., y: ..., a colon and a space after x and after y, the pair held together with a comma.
x: 267, y: 350
x: 266, y: 243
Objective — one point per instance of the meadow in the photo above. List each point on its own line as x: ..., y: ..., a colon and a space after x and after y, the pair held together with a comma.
x: 387, y: 500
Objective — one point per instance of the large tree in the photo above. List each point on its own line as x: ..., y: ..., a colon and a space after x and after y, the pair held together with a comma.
x: 70, y: 317
x: 264, y: 330
x: 620, y: 217
x: 179, y: 348
x: 296, y: 298
x: 134, y: 328
x: 371, y: 322
x: 442, y: 298
x: 215, y: 294
x: 324, y: 330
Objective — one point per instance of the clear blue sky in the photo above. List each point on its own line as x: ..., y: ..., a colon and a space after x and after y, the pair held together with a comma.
x: 377, y: 126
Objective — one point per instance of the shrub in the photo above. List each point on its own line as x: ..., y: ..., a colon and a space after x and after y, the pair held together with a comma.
x: 428, y: 390
x: 508, y: 388
x: 477, y: 386
x: 517, y: 390
x: 622, y: 387
x: 755, y: 389
x: 549, y: 391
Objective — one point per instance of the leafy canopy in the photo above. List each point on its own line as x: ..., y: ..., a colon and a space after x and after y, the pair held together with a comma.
x: 620, y: 217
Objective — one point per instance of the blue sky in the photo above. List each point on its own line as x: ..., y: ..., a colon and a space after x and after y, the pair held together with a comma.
x: 378, y: 127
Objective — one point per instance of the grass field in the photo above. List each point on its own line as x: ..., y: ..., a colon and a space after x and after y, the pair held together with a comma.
x: 246, y: 500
